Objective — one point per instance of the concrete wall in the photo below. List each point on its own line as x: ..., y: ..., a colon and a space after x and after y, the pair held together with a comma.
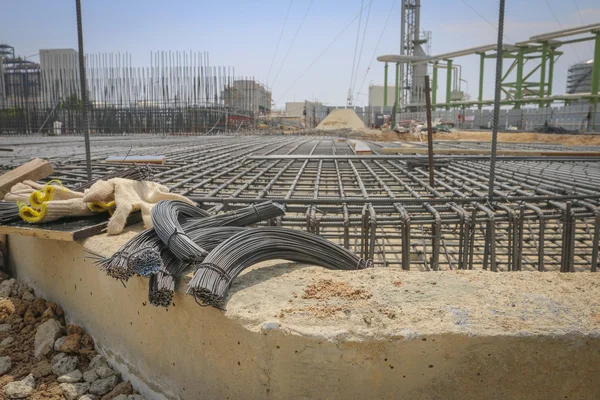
x: 376, y: 95
x: 193, y: 352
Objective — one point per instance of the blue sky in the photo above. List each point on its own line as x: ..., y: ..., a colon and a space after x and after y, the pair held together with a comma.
x: 244, y: 34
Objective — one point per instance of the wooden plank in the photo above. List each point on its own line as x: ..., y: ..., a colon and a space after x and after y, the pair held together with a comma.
x: 360, y: 147
x: 34, y: 170
x: 136, y: 159
x: 484, y: 152
x: 69, y: 230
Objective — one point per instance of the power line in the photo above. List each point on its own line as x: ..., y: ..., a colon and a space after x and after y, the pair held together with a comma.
x: 377, y: 46
x: 361, y: 47
x: 560, y: 26
x: 279, y: 40
x: 349, y: 100
x: 582, y: 22
x: 484, y: 18
x: 335, y: 39
x: 293, y: 41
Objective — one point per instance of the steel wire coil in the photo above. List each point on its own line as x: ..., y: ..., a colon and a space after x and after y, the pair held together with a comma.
x: 214, y: 276
x: 162, y: 285
x: 242, y: 217
x: 178, y: 240
x: 9, y: 212
x: 137, y: 256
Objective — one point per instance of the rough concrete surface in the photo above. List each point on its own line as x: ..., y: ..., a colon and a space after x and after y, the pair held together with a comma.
x: 297, y: 332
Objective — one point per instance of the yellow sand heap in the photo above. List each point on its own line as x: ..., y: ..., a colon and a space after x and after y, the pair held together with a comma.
x: 341, y: 118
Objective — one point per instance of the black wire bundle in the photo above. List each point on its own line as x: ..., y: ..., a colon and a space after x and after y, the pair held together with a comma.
x: 241, y: 217
x: 162, y: 285
x: 9, y: 212
x: 177, y: 238
x: 214, y: 276
x: 141, y: 254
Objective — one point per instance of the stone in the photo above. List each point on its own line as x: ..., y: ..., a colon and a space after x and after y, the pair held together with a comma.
x: 90, y: 376
x: 4, y: 328
x: 45, y: 336
x: 103, y: 386
x: 64, y: 365
x: 7, y: 287
x: 120, y: 397
x: 5, y: 365
x: 29, y: 317
x: 122, y: 389
x: 41, y: 369
x: 28, y: 296
x: 73, y: 391
x: 89, y: 397
x: 71, y: 377
x: 38, y: 306
x: 135, y: 397
x: 59, y: 343
x: 104, y: 371
x: 20, y: 389
x: 98, y: 361
x: 73, y: 329
x: 70, y: 344
x: 87, y: 342
x: 8, y: 341
x: 57, y: 357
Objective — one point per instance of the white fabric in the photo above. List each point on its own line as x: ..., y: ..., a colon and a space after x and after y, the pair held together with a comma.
x: 129, y: 196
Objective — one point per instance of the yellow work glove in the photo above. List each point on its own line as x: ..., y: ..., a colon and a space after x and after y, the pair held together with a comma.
x: 53, y: 190
x: 129, y: 196
x: 55, y: 209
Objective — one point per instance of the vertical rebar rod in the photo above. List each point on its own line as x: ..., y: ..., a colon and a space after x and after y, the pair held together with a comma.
x: 429, y: 130
x: 496, y: 99
x: 84, y: 96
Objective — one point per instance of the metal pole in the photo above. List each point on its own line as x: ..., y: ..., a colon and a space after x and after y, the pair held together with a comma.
x: 519, y: 88
x: 480, y: 97
x: 543, y: 71
x: 448, y: 84
x: 84, y: 95
x: 496, y: 101
x: 550, y: 71
x: 385, y: 86
x: 434, y: 84
x: 429, y: 130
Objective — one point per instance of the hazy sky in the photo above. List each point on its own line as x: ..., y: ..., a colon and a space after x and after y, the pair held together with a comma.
x: 244, y: 34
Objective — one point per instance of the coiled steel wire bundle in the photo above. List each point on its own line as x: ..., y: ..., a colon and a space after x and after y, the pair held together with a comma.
x: 9, y: 212
x: 242, y: 217
x: 162, y: 285
x: 138, y: 255
x: 214, y: 276
x: 143, y: 252
x: 178, y: 240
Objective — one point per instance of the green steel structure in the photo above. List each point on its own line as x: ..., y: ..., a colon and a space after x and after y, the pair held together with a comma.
x: 532, y: 62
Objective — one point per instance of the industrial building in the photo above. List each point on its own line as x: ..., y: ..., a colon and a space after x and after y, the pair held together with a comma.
x: 60, y: 74
x: 248, y: 94
x: 579, y: 79
x: 21, y: 80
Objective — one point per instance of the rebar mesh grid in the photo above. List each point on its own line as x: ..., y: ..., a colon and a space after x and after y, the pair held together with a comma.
x: 545, y: 215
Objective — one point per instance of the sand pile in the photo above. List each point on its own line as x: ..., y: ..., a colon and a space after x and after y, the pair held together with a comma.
x: 341, y: 118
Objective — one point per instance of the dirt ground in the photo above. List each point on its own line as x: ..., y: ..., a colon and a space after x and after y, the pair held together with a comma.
x: 486, y: 136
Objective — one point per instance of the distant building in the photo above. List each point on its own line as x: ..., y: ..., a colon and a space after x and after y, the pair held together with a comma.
x: 20, y: 79
x: 249, y: 95
x: 376, y: 95
x: 295, y: 109
x: 60, y: 74
x: 579, y: 78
